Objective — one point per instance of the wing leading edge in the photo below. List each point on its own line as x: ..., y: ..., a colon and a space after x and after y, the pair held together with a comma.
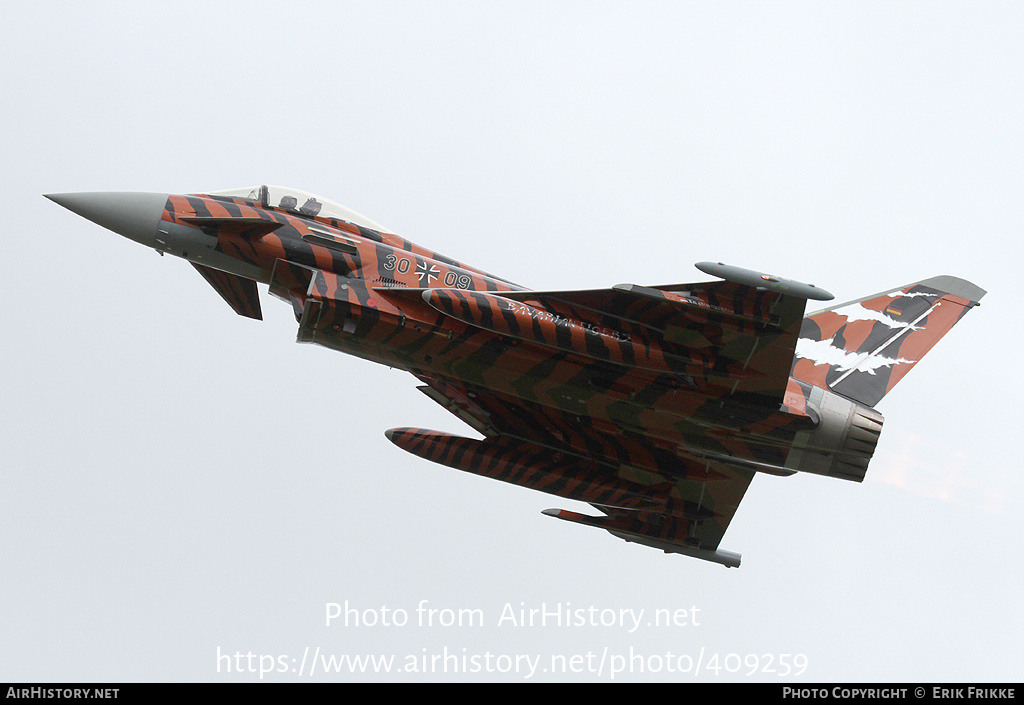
x: 647, y: 495
x: 733, y: 338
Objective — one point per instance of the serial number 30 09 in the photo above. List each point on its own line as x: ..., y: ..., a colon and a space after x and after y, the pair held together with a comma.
x: 426, y: 274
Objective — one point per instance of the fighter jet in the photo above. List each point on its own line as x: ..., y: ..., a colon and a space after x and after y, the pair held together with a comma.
x: 657, y: 405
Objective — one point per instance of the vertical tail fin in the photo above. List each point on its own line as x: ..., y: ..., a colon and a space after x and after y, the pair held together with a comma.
x: 862, y: 348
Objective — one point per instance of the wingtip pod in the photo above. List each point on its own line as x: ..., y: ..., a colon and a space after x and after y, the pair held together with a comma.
x: 765, y: 281
x: 726, y: 558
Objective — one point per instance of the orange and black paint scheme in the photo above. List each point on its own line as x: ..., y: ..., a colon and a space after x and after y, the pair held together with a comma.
x: 655, y: 404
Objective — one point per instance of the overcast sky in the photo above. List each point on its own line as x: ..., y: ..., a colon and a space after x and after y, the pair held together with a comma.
x: 179, y: 482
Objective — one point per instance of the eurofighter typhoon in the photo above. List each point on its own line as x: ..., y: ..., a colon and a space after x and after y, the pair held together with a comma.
x: 657, y: 405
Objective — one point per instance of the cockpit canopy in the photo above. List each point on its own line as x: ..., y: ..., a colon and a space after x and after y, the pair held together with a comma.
x: 300, y: 202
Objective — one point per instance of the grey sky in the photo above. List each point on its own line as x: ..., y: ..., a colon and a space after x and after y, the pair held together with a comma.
x: 177, y: 479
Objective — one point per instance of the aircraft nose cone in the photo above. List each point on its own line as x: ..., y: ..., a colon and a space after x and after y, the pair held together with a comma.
x: 134, y: 215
